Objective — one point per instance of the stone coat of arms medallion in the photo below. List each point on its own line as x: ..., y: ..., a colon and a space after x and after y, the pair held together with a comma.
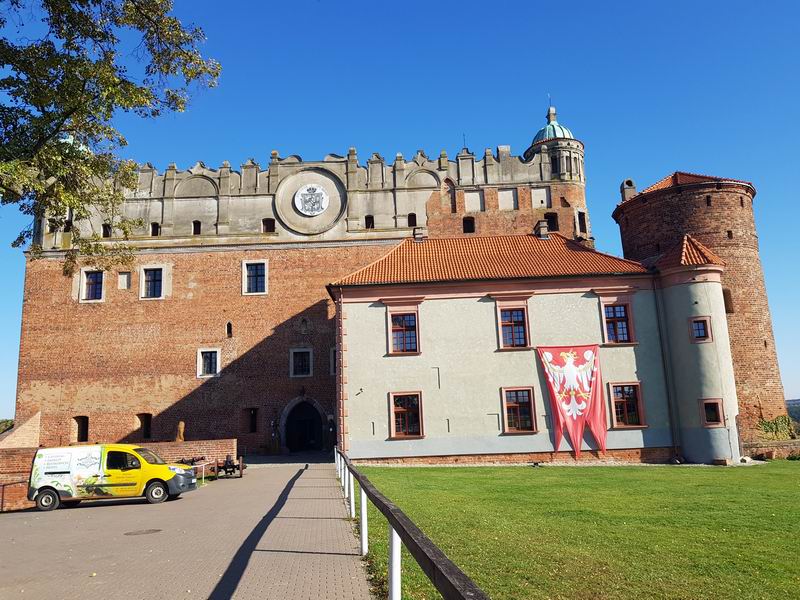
x: 311, y: 199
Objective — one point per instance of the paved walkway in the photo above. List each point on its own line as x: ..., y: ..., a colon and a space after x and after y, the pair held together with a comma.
x: 280, y: 532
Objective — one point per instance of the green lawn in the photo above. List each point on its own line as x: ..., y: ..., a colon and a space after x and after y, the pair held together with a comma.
x: 602, y: 532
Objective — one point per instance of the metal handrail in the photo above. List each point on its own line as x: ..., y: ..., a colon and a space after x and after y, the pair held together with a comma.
x: 451, y: 582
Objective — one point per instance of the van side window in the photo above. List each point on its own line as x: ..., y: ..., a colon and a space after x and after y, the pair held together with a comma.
x: 121, y: 460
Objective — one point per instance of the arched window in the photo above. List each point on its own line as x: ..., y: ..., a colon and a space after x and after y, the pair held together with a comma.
x: 267, y: 225
x: 229, y: 329
x: 106, y: 230
x: 197, y: 227
x: 155, y: 229
x: 728, y: 299
x: 469, y: 224
x: 451, y: 192
x: 552, y: 221
x: 369, y: 222
x: 412, y: 219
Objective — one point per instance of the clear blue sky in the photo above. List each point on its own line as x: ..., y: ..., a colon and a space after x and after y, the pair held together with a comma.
x: 650, y: 88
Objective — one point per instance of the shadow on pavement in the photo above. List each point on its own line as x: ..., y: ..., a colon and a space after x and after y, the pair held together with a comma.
x: 233, y: 574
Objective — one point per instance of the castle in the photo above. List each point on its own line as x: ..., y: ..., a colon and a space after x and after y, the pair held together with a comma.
x: 225, y: 323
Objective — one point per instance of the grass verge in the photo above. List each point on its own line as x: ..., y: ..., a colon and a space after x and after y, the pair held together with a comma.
x: 601, y: 532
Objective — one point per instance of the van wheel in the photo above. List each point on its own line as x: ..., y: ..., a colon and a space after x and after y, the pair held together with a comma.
x: 156, y: 492
x: 47, y: 500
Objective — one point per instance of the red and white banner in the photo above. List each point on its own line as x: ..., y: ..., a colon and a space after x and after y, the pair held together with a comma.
x: 576, y: 393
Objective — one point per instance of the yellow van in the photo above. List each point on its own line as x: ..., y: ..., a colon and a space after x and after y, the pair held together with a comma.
x: 71, y: 474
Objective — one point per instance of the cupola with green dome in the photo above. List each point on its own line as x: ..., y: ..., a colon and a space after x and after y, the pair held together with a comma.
x: 553, y: 130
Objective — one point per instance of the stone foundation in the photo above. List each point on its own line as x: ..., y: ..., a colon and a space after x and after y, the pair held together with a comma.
x: 630, y: 455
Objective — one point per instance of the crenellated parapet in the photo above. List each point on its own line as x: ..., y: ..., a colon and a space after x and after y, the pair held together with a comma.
x: 377, y: 198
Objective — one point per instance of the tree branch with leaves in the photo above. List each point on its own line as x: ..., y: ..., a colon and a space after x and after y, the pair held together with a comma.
x: 62, y: 80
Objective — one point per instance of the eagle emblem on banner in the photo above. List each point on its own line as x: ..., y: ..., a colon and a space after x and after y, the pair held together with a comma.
x: 576, y: 393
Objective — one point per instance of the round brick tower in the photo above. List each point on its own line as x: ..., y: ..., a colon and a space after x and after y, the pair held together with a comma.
x: 719, y: 213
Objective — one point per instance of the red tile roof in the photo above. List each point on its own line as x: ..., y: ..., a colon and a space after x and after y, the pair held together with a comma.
x: 689, y: 252
x: 488, y: 258
x: 682, y: 178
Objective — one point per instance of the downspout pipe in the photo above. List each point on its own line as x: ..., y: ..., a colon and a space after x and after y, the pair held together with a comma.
x: 666, y: 365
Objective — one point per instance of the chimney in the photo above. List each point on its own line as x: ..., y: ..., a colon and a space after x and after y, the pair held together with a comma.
x: 627, y: 189
x: 420, y: 234
x: 541, y: 231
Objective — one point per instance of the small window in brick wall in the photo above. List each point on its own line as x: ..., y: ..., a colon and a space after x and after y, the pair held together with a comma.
x: 82, y: 424
x: 552, y: 221
x: 728, y: 299
x: 582, y: 222
x: 708, y: 200
x: 145, y: 425
x: 730, y: 234
x: 229, y: 329
x: 469, y: 225
x: 250, y: 420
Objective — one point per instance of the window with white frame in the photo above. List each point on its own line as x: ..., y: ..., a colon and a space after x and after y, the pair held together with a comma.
x: 154, y: 281
x: 208, y: 362
x: 254, y: 277
x: 92, y: 286
x: 301, y: 362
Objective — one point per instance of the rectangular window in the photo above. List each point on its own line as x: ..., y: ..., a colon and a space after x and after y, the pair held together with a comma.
x: 582, y: 222
x: 617, y: 327
x: 251, y: 420
x: 93, y: 285
x: 256, y: 278
x: 627, y: 405
x: 152, y: 283
x: 145, y: 425
x: 519, y: 410
x: 82, y: 427
x: 404, y: 333
x: 712, y: 413
x: 514, y: 330
x: 700, y: 329
x: 208, y: 362
x: 406, y: 415
x: 301, y: 363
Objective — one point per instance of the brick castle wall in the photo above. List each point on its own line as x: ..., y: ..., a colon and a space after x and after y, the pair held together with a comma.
x: 446, y: 211
x: 651, y: 223
x: 111, y: 360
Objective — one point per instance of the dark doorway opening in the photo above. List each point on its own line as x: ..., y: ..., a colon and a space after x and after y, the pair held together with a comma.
x: 304, y: 428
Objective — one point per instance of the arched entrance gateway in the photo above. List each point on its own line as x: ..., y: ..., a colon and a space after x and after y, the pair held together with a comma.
x: 301, y: 425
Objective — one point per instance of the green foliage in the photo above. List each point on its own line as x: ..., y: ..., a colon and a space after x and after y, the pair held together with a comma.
x: 6, y: 424
x: 779, y: 428
x: 793, y: 456
x: 65, y: 73
x: 600, y: 532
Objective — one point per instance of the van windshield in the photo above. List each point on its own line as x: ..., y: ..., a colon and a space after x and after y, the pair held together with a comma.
x: 150, y: 456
